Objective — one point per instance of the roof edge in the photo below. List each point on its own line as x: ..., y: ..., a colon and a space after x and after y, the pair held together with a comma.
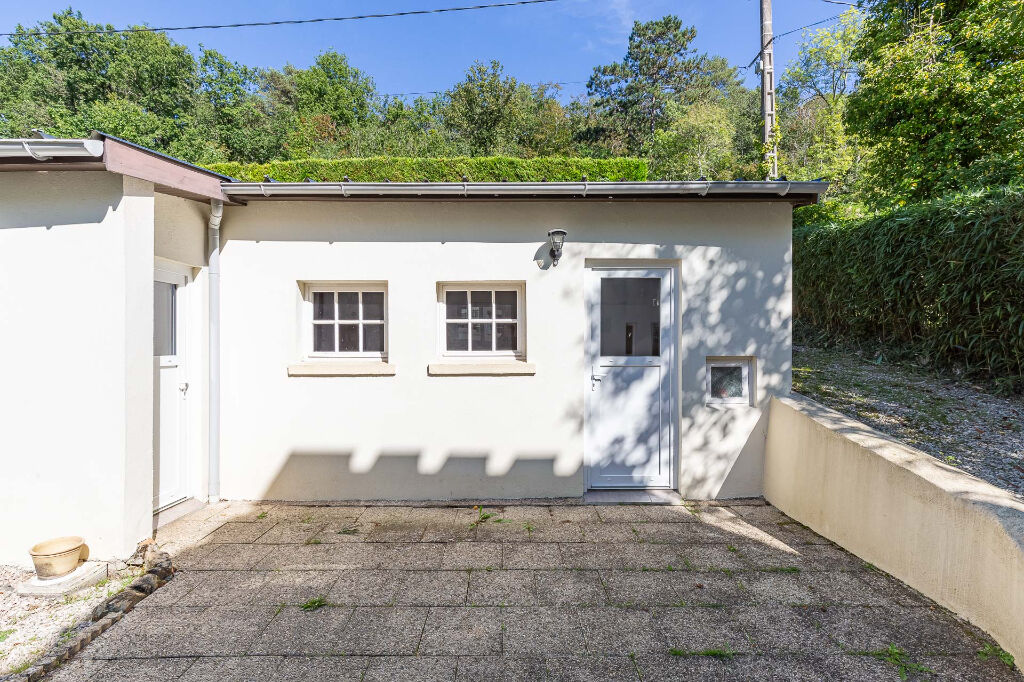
x: 762, y: 190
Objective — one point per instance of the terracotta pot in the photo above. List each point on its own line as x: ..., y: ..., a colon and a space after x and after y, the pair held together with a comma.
x: 59, y: 556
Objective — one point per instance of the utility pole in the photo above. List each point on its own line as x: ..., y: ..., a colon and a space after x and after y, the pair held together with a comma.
x: 767, y: 59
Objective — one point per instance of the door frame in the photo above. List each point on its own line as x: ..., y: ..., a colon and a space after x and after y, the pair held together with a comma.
x: 670, y: 343
x: 181, y: 276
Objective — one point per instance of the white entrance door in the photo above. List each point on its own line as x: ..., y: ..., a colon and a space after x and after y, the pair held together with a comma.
x: 170, y: 389
x: 629, y: 432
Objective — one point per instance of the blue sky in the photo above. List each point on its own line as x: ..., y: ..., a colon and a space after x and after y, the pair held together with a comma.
x: 558, y: 41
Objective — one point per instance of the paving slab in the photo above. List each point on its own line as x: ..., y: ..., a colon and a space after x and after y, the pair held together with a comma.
x: 548, y: 591
x: 462, y: 630
x: 543, y: 631
x: 319, y: 669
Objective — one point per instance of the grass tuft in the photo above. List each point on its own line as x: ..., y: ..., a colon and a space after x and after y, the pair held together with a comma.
x: 897, y: 657
x: 989, y: 651
x: 723, y: 654
x: 314, y: 604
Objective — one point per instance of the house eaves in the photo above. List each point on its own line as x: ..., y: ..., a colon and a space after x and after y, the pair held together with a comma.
x: 796, y: 193
x: 107, y: 153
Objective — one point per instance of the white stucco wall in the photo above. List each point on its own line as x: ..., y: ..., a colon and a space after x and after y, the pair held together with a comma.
x: 76, y: 253
x: 181, y: 229
x: 419, y: 436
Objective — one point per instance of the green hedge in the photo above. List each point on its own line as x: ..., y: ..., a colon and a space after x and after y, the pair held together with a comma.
x: 477, y: 169
x: 943, y: 280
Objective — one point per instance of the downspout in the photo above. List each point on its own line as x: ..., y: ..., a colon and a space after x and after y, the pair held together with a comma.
x: 216, y: 214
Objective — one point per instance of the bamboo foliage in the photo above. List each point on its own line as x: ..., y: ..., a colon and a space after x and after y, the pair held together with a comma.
x: 944, y: 279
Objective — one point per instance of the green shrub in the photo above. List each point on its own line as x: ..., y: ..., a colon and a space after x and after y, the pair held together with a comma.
x: 477, y: 169
x: 943, y: 280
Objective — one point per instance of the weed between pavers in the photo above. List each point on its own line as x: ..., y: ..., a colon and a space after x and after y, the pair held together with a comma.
x: 261, y: 515
x: 314, y: 604
x: 781, y: 569
x: 312, y: 541
x: 723, y: 654
x: 481, y: 516
x: 896, y: 656
x: 989, y: 651
x: 348, y: 531
x: 4, y: 634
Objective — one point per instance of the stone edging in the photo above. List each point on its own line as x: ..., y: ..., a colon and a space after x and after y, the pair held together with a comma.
x: 158, y: 571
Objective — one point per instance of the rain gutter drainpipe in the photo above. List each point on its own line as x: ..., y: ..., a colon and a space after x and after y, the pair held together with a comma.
x: 216, y: 214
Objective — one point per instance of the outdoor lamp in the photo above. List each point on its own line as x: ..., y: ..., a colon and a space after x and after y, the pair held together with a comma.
x: 556, y: 238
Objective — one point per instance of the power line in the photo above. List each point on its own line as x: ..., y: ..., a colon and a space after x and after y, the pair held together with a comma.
x: 786, y: 33
x: 283, y: 22
x: 439, y: 92
x: 841, y: 2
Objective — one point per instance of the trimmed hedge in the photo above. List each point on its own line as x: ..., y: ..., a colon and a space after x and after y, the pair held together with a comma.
x: 477, y: 169
x: 943, y: 279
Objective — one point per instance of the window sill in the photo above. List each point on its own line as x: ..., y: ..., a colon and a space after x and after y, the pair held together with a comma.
x: 341, y: 369
x: 481, y: 369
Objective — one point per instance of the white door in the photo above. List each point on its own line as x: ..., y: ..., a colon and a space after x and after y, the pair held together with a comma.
x: 629, y: 429
x: 170, y: 389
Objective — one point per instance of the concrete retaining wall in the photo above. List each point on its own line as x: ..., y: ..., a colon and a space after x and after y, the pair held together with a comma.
x: 953, y: 537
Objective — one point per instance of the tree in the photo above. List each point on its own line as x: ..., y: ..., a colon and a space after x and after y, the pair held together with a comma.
x: 940, y: 99
x: 698, y: 143
x: 813, y: 97
x: 659, y: 67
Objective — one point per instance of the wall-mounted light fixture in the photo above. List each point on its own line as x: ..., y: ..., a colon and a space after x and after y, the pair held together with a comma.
x: 556, y: 238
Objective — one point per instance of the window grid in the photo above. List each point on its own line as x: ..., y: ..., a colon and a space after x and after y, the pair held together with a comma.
x: 347, y: 333
x: 486, y: 332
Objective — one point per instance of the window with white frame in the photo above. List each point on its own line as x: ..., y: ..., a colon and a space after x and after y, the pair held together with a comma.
x: 347, y: 320
x: 482, y: 319
x: 728, y: 381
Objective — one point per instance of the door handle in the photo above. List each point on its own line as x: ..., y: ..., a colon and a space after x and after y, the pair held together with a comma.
x: 595, y: 379
x: 183, y: 387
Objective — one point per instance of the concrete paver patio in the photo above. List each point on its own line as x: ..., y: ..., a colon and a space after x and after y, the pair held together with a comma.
x: 564, y: 592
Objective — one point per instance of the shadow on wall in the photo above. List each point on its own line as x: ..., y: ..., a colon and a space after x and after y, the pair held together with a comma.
x: 310, y: 476
x: 727, y: 307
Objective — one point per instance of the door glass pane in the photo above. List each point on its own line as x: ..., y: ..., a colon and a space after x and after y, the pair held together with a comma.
x: 631, y: 316
x: 348, y: 337
x: 505, y: 336
x: 482, y: 336
x: 348, y: 305
x: 726, y: 382
x: 373, y: 305
x: 373, y: 338
x: 323, y: 338
x: 164, y: 315
x: 481, y: 308
x: 458, y: 336
x: 456, y: 307
x: 323, y: 305
x: 505, y: 305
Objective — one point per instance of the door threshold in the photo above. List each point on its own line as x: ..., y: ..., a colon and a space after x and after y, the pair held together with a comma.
x: 634, y: 496
x: 175, y: 510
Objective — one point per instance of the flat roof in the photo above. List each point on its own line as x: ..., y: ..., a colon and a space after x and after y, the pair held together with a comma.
x: 177, y: 177
x: 797, y: 193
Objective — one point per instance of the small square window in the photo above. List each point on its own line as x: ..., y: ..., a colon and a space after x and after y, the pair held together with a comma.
x: 728, y: 381
x: 478, y: 318
x: 347, y: 320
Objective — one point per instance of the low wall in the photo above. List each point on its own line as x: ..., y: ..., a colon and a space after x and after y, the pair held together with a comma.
x: 953, y: 537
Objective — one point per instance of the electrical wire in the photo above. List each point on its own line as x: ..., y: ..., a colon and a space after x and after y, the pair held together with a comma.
x: 786, y: 33
x: 282, y: 22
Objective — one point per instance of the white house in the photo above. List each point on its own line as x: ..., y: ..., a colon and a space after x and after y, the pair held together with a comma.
x: 172, y: 336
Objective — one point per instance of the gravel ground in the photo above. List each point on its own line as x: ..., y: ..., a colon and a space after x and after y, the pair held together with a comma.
x: 953, y: 421
x: 30, y: 626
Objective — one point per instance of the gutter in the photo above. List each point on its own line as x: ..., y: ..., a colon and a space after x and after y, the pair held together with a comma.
x: 520, y: 189
x: 213, y: 413
x: 44, y: 150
